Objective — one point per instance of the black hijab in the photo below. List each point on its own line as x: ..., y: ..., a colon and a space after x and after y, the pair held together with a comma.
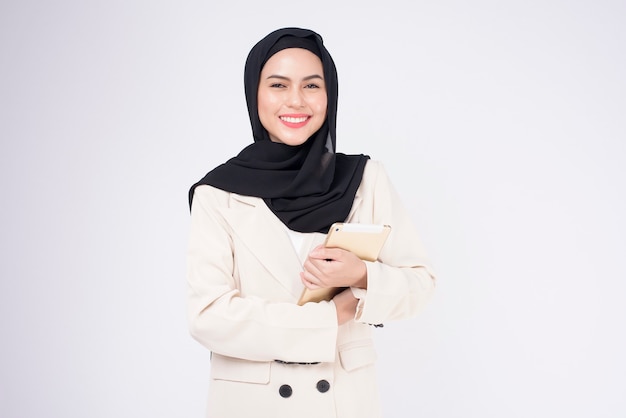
x: 308, y: 186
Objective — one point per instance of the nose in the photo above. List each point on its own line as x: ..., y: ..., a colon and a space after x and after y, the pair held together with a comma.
x: 296, y: 98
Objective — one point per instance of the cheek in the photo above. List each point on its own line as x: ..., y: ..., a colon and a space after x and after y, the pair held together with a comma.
x: 321, y: 106
x: 265, y: 112
x: 262, y: 103
x: 266, y: 102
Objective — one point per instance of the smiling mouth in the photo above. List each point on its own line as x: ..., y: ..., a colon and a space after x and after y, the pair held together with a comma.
x: 294, y: 121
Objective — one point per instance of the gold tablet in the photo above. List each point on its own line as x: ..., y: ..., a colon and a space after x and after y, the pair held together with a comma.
x: 364, y: 240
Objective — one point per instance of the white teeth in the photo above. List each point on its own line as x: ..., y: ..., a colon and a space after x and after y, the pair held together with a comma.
x: 293, y: 120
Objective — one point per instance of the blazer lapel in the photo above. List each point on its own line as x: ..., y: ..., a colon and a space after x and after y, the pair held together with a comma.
x: 266, y: 237
x: 355, y: 206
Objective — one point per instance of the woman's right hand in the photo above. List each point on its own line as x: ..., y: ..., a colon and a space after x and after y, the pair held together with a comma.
x: 346, y: 304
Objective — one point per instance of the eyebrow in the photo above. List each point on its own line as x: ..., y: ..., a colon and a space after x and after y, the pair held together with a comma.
x: 307, y: 78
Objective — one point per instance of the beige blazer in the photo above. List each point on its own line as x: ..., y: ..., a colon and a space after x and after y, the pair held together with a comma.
x: 243, y: 279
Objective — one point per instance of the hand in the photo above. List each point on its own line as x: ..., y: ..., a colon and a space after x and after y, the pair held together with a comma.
x: 346, y: 304
x: 333, y: 267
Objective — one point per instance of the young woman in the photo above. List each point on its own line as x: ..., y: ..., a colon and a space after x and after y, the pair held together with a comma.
x: 257, y: 225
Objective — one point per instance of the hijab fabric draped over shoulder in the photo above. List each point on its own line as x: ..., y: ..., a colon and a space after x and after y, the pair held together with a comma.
x: 310, y: 186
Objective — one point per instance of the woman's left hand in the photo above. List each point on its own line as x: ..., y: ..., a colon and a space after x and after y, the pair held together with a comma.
x: 333, y: 267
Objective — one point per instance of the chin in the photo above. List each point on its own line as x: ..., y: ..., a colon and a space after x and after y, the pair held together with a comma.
x: 294, y: 142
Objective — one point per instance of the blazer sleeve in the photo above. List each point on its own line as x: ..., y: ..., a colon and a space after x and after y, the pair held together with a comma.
x: 401, y: 282
x: 248, y: 327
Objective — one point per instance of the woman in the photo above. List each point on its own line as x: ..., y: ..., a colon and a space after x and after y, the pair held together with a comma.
x: 257, y: 225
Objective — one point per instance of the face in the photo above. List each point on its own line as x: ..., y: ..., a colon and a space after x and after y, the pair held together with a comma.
x: 292, y: 96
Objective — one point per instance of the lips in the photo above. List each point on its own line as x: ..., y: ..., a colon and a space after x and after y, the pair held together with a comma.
x: 294, y: 121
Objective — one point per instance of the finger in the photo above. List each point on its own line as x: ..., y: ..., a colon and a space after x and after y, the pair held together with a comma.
x: 323, y: 253
x: 313, y: 267
x: 304, y: 277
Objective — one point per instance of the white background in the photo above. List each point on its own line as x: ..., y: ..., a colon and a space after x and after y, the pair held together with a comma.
x: 502, y: 125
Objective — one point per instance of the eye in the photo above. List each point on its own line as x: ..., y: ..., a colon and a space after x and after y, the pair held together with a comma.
x: 277, y: 85
x: 312, y: 86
